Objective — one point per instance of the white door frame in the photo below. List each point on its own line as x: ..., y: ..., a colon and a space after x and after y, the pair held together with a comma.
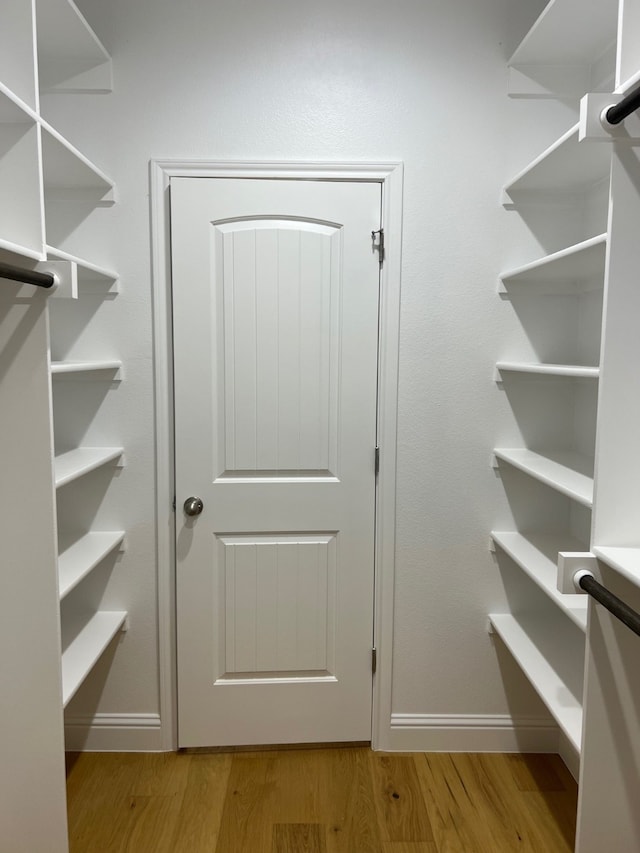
x: 390, y: 176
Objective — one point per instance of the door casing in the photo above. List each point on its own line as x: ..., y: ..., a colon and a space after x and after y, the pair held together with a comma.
x: 390, y: 176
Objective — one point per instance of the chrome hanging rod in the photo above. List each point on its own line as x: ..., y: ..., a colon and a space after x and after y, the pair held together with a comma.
x: 628, y: 105
x: 39, y: 279
x: 616, y: 606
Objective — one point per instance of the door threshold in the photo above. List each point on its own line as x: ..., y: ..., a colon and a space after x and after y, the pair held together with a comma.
x: 273, y: 747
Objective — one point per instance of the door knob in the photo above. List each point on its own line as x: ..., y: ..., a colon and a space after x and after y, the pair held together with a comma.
x: 193, y: 506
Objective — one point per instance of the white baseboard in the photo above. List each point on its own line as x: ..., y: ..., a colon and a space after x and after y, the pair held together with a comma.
x: 114, y: 733
x: 470, y: 733
x: 407, y: 733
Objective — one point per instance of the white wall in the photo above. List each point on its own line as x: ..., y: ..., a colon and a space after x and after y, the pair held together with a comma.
x: 423, y: 82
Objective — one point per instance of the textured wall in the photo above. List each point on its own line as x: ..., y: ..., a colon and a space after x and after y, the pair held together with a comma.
x: 423, y: 82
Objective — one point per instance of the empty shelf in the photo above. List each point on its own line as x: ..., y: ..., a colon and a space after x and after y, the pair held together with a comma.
x: 581, y: 262
x: 75, y: 463
x: 79, y: 558
x: 548, y: 684
x: 70, y: 56
x: 569, y: 370
x: 569, y: 473
x: 624, y: 560
x: 567, y: 166
x: 591, y: 34
x: 13, y: 110
x: 70, y: 368
x: 21, y: 224
x: 68, y: 174
x: 537, y: 555
x: 87, y: 271
x: 83, y: 652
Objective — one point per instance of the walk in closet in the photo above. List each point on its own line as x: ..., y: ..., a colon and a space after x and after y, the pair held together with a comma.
x: 517, y: 460
x: 569, y: 380
x: 60, y: 448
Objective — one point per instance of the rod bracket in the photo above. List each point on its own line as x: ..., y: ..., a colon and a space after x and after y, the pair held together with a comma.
x: 594, y: 127
x: 570, y: 563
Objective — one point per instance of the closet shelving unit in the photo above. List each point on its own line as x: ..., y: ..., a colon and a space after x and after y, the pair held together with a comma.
x: 569, y: 182
x: 626, y: 561
x: 575, y: 371
x: 21, y: 223
x: 567, y: 52
x: 78, y: 557
x: 571, y: 268
x: 567, y: 472
x: 56, y: 51
x: 536, y: 555
x: 75, y: 369
x: 565, y: 169
x: 91, y: 277
x: 71, y: 58
x: 73, y: 464
x: 68, y: 174
x: 523, y: 641
x: 88, y: 641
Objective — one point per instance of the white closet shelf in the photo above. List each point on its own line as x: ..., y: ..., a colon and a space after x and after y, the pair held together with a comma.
x: 68, y: 174
x: 566, y: 167
x: 76, y: 463
x: 626, y: 561
x: 84, y: 651
x: 537, y: 555
x: 13, y: 110
x: 569, y: 370
x: 75, y: 368
x: 627, y: 85
x: 87, y: 271
x: 70, y: 56
x: 21, y: 219
x: 579, y: 263
x: 567, y: 472
x: 79, y: 558
x: 591, y: 34
x: 22, y: 251
x: 548, y: 684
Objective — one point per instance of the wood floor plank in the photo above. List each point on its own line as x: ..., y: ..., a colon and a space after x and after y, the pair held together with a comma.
x: 298, y: 838
x: 198, y: 824
x: 103, y: 811
x: 320, y: 801
x: 160, y: 774
x: 495, y: 799
x: 536, y: 772
x: 245, y: 826
x: 128, y: 825
x: 400, y: 806
x: 551, y: 819
x: 462, y: 819
x: 95, y: 774
x: 295, y: 777
x: 541, y: 817
x: 348, y: 802
x: 151, y: 824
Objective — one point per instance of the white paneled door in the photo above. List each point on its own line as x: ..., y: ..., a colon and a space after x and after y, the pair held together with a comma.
x: 275, y: 308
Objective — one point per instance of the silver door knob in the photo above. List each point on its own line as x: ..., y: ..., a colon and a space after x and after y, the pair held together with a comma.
x: 193, y: 506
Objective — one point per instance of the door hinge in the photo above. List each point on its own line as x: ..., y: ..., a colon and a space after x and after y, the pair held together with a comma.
x: 174, y: 503
x: 379, y: 245
x: 377, y: 461
x: 374, y: 660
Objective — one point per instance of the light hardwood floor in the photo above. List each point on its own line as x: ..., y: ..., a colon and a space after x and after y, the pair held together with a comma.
x: 320, y: 801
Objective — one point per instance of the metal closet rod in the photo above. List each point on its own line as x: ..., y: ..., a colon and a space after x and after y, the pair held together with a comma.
x: 40, y: 279
x: 628, y: 105
x: 616, y: 606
